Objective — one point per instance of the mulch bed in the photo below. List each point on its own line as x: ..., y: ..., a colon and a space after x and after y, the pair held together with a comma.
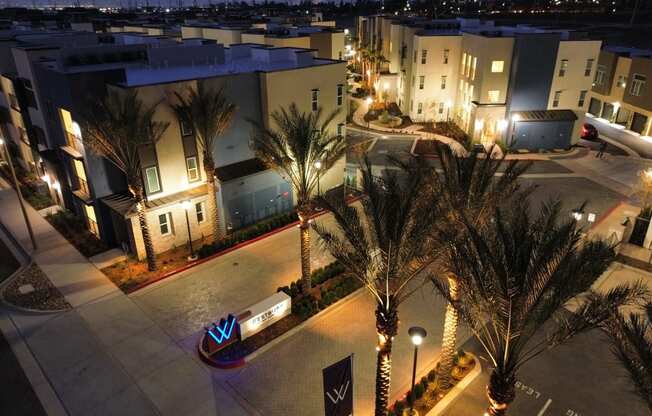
x: 427, y: 147
x: 45, y: 297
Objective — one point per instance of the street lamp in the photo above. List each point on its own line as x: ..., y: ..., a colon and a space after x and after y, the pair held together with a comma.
x: 369, y: 100
x: 318, y: 167
x: 21, y: 202
x: 417, y: 334
x: 186, y: 206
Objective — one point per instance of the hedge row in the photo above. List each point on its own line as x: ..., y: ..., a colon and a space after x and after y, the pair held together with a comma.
x: 317, y: 277
x: 248, y: 233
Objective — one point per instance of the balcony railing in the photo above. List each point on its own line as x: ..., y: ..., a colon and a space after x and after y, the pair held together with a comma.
x: 83, y: 187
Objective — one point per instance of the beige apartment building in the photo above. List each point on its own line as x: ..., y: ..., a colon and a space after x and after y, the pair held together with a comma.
x: 620, y: 95
x: 480, y: 75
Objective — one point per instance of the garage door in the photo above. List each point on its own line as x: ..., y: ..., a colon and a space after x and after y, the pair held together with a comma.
x: 638, y: 123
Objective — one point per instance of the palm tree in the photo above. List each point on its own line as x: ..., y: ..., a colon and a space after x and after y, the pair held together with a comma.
x: 631, y: 339
x: 383, y: 246
x: 300, y: 148
x: 519, y: 272
x: 210, y: 114
x: 116, y: 127
x: 468, y: 187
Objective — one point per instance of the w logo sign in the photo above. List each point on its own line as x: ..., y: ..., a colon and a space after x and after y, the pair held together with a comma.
x: 338, y: 394
x: 220, y: 334
x: 338, y: 388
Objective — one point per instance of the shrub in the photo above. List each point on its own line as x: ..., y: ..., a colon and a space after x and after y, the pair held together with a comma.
x: 399, y: 406
x: 424, y: 382
x: 410, y: 399
x: 418, y: 391
x: 305, y: 307
x: 432, y: 375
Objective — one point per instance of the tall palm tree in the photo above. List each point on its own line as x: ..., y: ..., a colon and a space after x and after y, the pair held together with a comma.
x: 518, y: 273
x: 210, y: 114
x: 468, y: 187
x: 631, y: 338
x: 384, y: 247
x: 116, y: 127
x: 301, y: 147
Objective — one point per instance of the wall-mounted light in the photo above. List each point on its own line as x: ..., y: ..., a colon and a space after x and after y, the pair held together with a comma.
x: 502, y: 124
x: 386, y: 86
x: 57, y: 186
x: 516, y: 117
x: 479, y: 123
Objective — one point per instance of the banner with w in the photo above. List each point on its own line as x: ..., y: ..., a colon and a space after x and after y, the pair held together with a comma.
x: 338, y: 388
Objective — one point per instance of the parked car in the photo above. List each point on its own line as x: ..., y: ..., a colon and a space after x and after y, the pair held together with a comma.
x: 589, y: 132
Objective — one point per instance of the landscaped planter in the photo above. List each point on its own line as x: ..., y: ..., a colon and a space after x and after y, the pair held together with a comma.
x: 330, y: 284
x: 427, y: 399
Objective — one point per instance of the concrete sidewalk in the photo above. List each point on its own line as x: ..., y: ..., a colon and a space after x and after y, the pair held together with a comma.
x: 106, y: 356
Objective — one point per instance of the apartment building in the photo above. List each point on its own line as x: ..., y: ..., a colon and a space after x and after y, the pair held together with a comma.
x: 523, y: 86
x: 326, y: 40
x: 256, y: 78
x: 620, y: 95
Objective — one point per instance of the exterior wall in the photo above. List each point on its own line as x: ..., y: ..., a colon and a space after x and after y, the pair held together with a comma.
x: 329, y: 45
x: 190, y: 32
x: 288, y: 42
x: 258, y: 38
x: 575, y: 79
x: 641, y: 66
x: 282, y: 88
x: 535, y: 135
x: 432, y: 95
x: 226, y: 37
x: 179, y: 235
x: 606, y: 60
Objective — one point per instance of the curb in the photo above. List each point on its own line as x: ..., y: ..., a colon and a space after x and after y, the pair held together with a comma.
x: 457, y: 389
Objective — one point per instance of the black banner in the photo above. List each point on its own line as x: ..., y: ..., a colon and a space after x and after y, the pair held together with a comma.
x: 338, y: 388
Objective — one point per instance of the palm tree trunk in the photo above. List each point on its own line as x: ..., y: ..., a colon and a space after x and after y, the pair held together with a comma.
x: 500, y: 392
x: 449, y: 341
x: 387, y: 328
x: 209, y: 169
x: 152, y: 263
x: 304, y: 230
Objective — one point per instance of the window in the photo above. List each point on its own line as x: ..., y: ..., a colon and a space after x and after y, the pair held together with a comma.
x: 186, y: 129
x: 415, y: 56
x: 422, y: 82
x: 463, y: 66
x: 199, y: 210
x: 443, y: 82
x: 340, y: 94
x: 340, y: 129
x: 411, y: 105
x: 599, y: 75
x: 562, y: 67
x: 580, y: 102
x: 588, y: 68
x: 622, y: 81
x: 314, y: 98
x: 494, y: 96
x: 475, y: 63
x: 638, y: 82
x: 165, y: 223
x: 339, y: 55
x: 413, y: 78
x: 497, y: 66
x: 151, y: 179
x: 440, y: 110
x: 555, y: 100
x: 446, y: 53
x: 420, y: 108
x: 192, y: 168
x: 424, y: 54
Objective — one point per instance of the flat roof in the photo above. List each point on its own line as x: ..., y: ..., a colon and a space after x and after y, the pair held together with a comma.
x: 545, y: 115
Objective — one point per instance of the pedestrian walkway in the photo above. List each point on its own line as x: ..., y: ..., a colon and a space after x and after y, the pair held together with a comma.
x: 106, y: 356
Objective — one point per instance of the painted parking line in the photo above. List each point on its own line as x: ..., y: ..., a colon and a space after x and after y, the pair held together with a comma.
x: 544, y: 408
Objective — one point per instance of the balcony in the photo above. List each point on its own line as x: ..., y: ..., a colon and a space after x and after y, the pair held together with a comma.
x: 71, y: 148
x: 83, y: 191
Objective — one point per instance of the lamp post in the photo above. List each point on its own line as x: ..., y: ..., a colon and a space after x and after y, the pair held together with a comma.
x: 417, y: 334
x: 448, y: 110
x: 318, y: 167
x: 186, y: 206
x: 19, y: 193
x: 369, y: 101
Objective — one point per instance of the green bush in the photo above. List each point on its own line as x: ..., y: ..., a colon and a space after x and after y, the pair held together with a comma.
x: 418, y: 391
x: 432, y: 375
x: 410, y: 399
x: 305, y: 307
x: 399, y: 406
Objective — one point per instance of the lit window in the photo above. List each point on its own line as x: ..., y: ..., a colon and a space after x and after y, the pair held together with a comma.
x: 441, y: 108
x: 151, y: 176
x: 199, y: 209
x: 193, y: 169
x: 463, y: 66
x: 446, y: 53
x: 588, y: 68
x: 497, y: 66
x: 494, y: 96
x: 580, y: 102
x: 186, y: 128
x: 600, y: 74
x: 420, y: 108
x: 556, y: 98
x: 443, y: 82
x: 475, y: 63
x: 424, y: 54
x: 562, y: 67
x: 165, y: 223
x: 638, y: 82
x: 422, y: 82
x: 314, y: 97
x: 340, y: 94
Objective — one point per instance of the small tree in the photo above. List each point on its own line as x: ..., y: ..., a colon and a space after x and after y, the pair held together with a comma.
x: 300, y: 147
x: 517, y: 274
x: 115, y: 128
